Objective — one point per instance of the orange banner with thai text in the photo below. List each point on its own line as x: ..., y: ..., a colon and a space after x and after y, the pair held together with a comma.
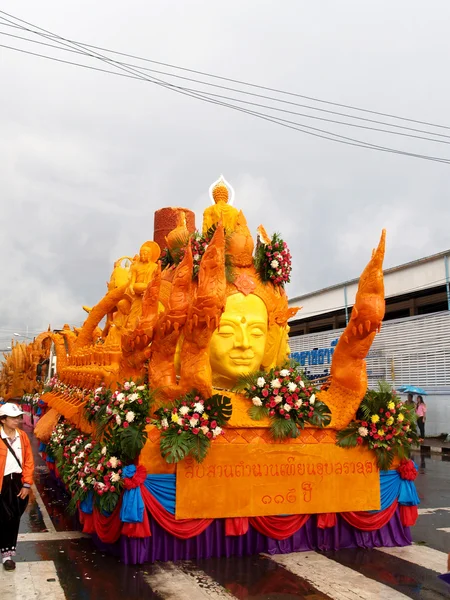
x: 273, y: 479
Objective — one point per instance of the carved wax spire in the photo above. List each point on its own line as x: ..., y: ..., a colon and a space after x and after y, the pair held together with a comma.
x: 179, y: 236
x: 241, y: 243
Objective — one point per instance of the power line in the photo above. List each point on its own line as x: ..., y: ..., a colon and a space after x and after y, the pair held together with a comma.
x: 282, y: 122
x: 204, y: 97
x: 221, y: 86
x: 273, y: 108
x: 240, y: 82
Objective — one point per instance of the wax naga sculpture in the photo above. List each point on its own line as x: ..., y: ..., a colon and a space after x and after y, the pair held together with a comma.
x: 25, y: 366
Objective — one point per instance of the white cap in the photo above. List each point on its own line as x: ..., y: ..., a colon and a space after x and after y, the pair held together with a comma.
x: 10, y: 410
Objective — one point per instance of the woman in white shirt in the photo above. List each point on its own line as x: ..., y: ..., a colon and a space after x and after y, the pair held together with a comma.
x: 16, y: 478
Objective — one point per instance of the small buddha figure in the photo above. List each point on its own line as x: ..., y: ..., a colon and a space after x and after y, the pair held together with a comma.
x: 119, y: 319
x: 120, y: 274
x: 237, y: 346
x: 142, y: 270
x: 222, y: 208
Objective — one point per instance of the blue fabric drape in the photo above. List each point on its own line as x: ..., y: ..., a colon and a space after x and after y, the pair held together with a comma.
x: 389, y: 487
x: 162, y: 487
x: 408, y: 494
x: 87, y: 505
x: 132, y: 510
x: 393, y: 487
x: 42, y: 447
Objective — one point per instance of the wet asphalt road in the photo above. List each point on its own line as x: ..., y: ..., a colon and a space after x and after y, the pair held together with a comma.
x: 89, y: 574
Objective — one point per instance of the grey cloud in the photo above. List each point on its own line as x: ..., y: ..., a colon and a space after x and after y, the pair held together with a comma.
x: 86, y: 158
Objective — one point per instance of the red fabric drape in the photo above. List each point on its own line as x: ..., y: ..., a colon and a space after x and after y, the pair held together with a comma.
x: 370, y: 521
x: 183, y: 528
x: 109, y: 528
x: 278, y: 528
x: 236, y: 526
x: 138, y: 530
x: 138, y: 478
x: 408, y: 515
x: 325, y: 520
x: 87, y: 521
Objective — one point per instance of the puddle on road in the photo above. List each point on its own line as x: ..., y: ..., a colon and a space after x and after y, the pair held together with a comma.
x: 85, y: 572
x: 409, y: 579
x: 257, y: 578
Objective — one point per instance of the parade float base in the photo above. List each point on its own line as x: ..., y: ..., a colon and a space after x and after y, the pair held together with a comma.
x: 304, y: 495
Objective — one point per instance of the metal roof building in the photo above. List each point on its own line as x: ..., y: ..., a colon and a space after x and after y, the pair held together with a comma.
x: 413, y: 347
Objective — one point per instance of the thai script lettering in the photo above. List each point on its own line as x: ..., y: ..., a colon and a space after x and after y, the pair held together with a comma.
x: 291, y: 467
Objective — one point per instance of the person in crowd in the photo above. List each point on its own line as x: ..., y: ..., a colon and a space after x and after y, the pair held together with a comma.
x: 421, y: 411
x: 16, y: 478
x: 410, y: 400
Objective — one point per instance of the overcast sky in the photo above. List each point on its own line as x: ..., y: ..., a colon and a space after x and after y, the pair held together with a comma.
x: 86, y: 158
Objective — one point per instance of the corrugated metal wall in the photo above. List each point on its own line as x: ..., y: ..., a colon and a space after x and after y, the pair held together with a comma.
x: 414, y: 350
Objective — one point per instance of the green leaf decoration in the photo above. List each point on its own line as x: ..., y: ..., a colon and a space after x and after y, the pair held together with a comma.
x: 283, y: 428
x: 385, y: 458
x: 257, y: 413
x: 245, y: 382
x: 321, y: 416
x: 221, y: 408
x: 200, y: 447
x: 346, y: 438
x: 132, y: 440
x: 175, y: 446
x: 108, y: 502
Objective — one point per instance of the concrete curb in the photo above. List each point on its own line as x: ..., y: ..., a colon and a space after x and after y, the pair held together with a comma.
x: 434, y: 449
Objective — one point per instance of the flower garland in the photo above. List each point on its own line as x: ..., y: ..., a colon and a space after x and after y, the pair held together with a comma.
x: 121, y: 416
x: 188, y: 427
x: 95, y: 407
x: 287, y: 398
x: 93, y: 464
x: 273, y: 261
x: 199, y: 244
x: 384, y: 424
x: 86, y: 467
x: 52, y: 383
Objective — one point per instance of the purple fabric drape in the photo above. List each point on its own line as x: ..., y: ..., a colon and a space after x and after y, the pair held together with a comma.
x: 214, y: 543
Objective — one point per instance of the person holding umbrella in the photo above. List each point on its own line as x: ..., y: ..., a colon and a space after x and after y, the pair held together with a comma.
x: 16, y: 478
x: 421, y: 411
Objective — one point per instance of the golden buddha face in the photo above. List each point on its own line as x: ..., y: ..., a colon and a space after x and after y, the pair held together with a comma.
x: 237, y: 346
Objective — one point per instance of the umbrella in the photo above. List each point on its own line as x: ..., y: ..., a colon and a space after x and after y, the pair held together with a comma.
x: 411, y: 389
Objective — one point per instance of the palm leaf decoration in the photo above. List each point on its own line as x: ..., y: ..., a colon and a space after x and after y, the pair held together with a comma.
x: 132, y: 440
x: 321, y: 416
x: 175, y: 446
x: 220, y: 408
x: 258, y: 413
x: 283, y: 428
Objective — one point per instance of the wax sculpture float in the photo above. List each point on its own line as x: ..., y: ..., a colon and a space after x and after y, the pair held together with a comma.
x: 181, y: 428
